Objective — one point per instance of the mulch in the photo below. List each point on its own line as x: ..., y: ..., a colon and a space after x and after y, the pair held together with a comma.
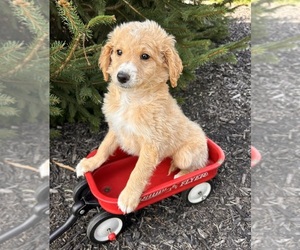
x: 276, y: 133
x: 18, y: 186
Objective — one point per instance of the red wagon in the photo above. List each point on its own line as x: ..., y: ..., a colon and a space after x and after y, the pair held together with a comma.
x: 255, y: 156
x: 107, y: 182
x: 103, y: 186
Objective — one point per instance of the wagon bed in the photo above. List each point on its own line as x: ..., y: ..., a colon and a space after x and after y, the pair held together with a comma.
x: 107, y: 182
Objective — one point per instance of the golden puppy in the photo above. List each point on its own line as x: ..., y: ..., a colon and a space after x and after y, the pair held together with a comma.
x: 143, y: 117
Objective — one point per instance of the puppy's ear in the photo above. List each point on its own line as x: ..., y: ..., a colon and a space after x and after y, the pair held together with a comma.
x: 105, y: 60
x: 173, y: 61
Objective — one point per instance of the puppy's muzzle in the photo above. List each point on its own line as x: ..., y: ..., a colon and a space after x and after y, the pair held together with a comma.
x: 123, y: 77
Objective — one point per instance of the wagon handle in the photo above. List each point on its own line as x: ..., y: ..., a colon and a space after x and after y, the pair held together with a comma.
x: 59, y: 231
x: 39, y: 211
x: 78, y: 209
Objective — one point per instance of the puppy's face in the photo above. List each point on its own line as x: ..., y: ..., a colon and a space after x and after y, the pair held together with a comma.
x: 140, y: 54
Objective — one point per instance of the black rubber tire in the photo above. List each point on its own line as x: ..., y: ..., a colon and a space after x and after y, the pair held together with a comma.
x: 197, y: 194
x: 80, y: 190
x: 42, y: 192
x: 105, y: 223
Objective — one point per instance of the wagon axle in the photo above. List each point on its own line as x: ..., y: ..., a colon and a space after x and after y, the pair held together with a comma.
x: 111, y: 236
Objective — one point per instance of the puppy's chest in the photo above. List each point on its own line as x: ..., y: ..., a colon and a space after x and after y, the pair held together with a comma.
x: 121, y: 115
x: 121, y: 121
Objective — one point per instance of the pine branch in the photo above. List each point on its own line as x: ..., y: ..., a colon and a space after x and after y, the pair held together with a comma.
x: 91, y: 49
x: 216, y: 53
x: 99, y: 7
x: 69, y: 15
x: 10, y: 47
x: 238, y: 45
x: 202, y: 13
x: 273, y: 46
x: 6, y: 100
x: 199, y: 43
x: 56, y: 47
x: 8, y: 111
x: 55, y: 111
x: 54, y: 100
x: 98, y: 20
x: 69, y: 56
x: 30, y: 55
x: 30, y: 15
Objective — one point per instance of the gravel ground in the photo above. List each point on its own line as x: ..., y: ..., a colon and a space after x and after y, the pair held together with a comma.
x: 220, y: 101
x: 30, y: 145
x: 18, y: 186
x: 276, y: 133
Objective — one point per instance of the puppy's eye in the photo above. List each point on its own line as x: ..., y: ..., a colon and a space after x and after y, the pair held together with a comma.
x: 119, y: 52
x: 145, y: 56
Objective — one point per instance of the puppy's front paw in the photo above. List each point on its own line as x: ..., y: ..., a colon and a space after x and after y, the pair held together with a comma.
x: 128, y: 202
x: 79, y: 170
x: 85, y: 165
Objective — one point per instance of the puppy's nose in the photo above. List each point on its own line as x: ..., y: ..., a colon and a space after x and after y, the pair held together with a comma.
x: 123, y: 77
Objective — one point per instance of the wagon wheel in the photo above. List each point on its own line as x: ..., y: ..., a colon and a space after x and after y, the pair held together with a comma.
x: 105, y: 227
x: 80, y: 190
x: 42, y: 192
x: 197, y: 193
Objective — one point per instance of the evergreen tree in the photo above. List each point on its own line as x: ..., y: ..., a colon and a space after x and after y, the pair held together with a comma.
x: 6, y: 110
x: 23, y: 64
x: 82, y: 26
x: 264, y: 49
